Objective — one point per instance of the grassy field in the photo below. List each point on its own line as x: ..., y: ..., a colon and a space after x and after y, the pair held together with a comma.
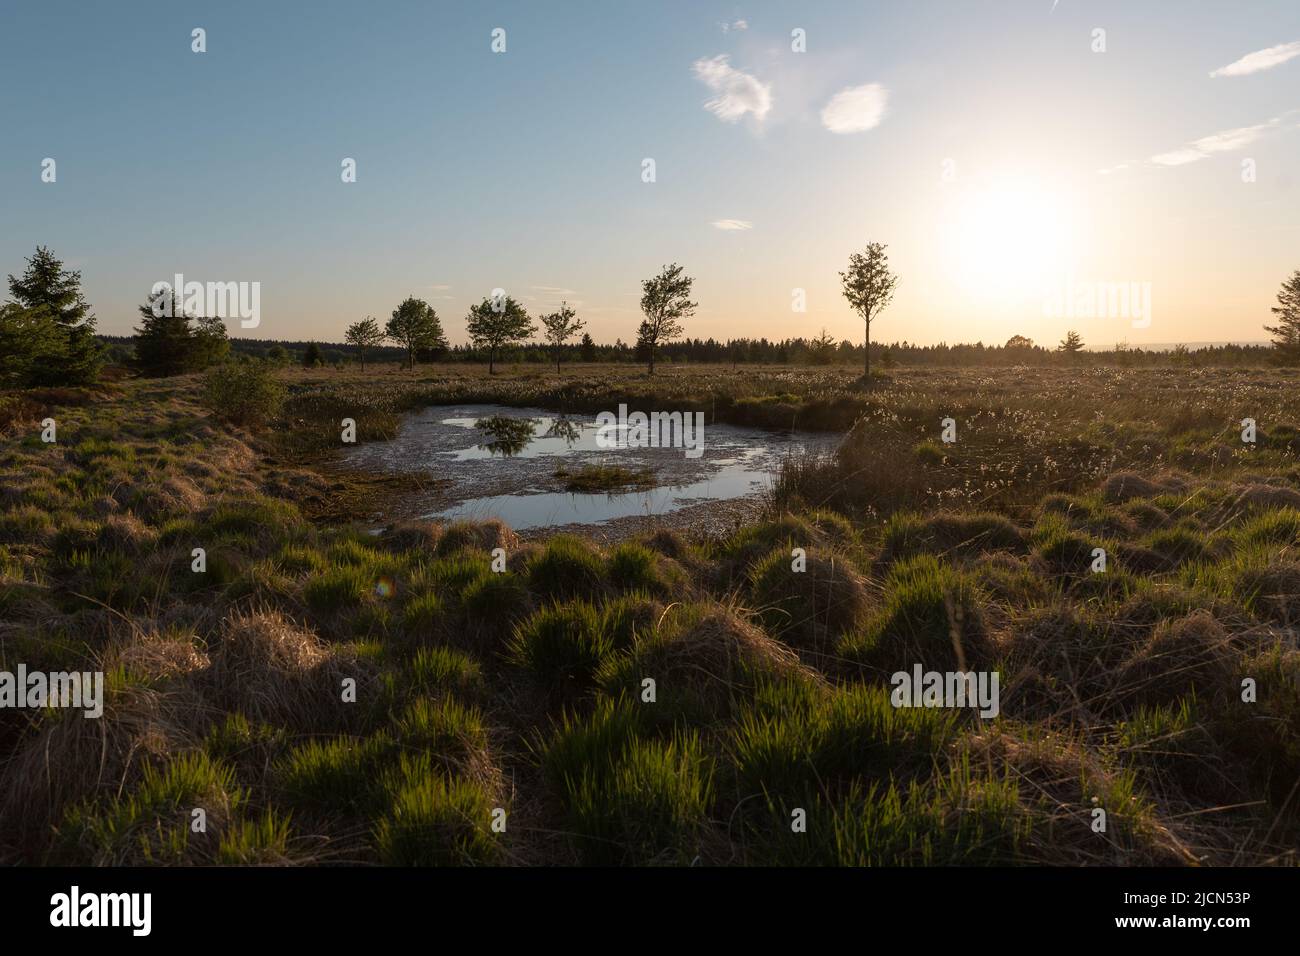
x: 500, y: 717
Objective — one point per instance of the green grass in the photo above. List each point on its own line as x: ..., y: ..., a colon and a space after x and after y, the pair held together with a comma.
x: 561, y: 646
x: 797, y: 741
x: 929, y: 609
x: 433, y: 821
x: 567, y: 567
x: 337, y: 775
x: 628, y: 800
x: 591, y: 479
x: 152, y: 823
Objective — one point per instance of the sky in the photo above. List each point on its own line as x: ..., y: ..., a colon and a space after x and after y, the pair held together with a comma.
x: 1025, y: 162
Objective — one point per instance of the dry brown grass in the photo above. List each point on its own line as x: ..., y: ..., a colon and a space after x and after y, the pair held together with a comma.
x: 274, y: 671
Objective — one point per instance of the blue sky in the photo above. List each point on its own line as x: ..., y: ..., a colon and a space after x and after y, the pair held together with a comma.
x: 1009, y: 153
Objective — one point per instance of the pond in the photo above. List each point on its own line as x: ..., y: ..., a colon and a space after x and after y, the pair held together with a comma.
x: 516, y: 464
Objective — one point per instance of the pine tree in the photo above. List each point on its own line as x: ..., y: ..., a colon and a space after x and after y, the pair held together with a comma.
x: 1071, y: 344
x: 1286, y: 334
x: 164, y: 342
x: 30, y: 340
x: 47, y: 285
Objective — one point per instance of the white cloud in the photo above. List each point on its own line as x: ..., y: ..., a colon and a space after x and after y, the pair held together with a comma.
x: 553, y: 290
x: 1222, y: 142
x: 731, y: 224
x: 856, y: 109
x: 738, y: 93
x: 1178, y: 157
x: 735, y: 25
x: 1260, y: 60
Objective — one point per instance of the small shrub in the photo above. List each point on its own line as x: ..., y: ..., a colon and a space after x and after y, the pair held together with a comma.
x: 247, y: 395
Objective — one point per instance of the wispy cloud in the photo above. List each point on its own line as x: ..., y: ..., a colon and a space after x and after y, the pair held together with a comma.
x: 553, y: 290
x: 738, y: 92
x: 1260, y: 60
x: 856, y: 109
x: 438, y: 288
x: 735, y: 25
x: 1225, y: 141
x: 732, y: 224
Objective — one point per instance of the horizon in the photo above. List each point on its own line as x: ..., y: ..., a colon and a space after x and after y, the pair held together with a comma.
x: 999, y: 153
x: 574, y: 344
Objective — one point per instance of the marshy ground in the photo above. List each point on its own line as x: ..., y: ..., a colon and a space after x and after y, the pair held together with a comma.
x: 522, y: 691
x: 539, y: 471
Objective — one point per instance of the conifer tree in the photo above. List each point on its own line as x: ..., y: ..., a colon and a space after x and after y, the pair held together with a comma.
x: 47, y: 285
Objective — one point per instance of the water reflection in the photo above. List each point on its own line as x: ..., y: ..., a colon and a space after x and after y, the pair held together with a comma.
x: 507, y: 436
x: 565, y: 429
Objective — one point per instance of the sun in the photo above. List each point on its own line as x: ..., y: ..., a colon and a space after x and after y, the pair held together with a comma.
x: 1007, y: 242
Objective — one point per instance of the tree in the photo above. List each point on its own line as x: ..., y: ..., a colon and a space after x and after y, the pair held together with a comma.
x: 587, y: 350
x: 1286, y: 334
x: 364, y: 334
x: 869, y: 287
x: 311, y: 357
x: 1019, y: 342
x: 665, y: 301
x: 47, y: 285
x: 821, y: 349
x: 211, y: 343
x: 559, y: 327
x: 170, y: 341
x: 277, y: 355
x: 30, y: 342
x: 495, y: 323
x: 164, y: 341
x: 415, y: 326
x: 1071, y: 344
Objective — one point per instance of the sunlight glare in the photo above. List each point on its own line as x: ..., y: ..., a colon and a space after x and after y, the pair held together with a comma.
x: 1005, y: 244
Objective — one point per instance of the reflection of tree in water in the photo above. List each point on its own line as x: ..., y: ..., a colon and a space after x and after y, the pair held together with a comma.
x: 563, y: 428
x: 507, y: 436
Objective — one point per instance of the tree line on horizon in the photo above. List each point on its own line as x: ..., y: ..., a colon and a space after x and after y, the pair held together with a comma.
x: 744, y: 351
x: 47, y: 334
